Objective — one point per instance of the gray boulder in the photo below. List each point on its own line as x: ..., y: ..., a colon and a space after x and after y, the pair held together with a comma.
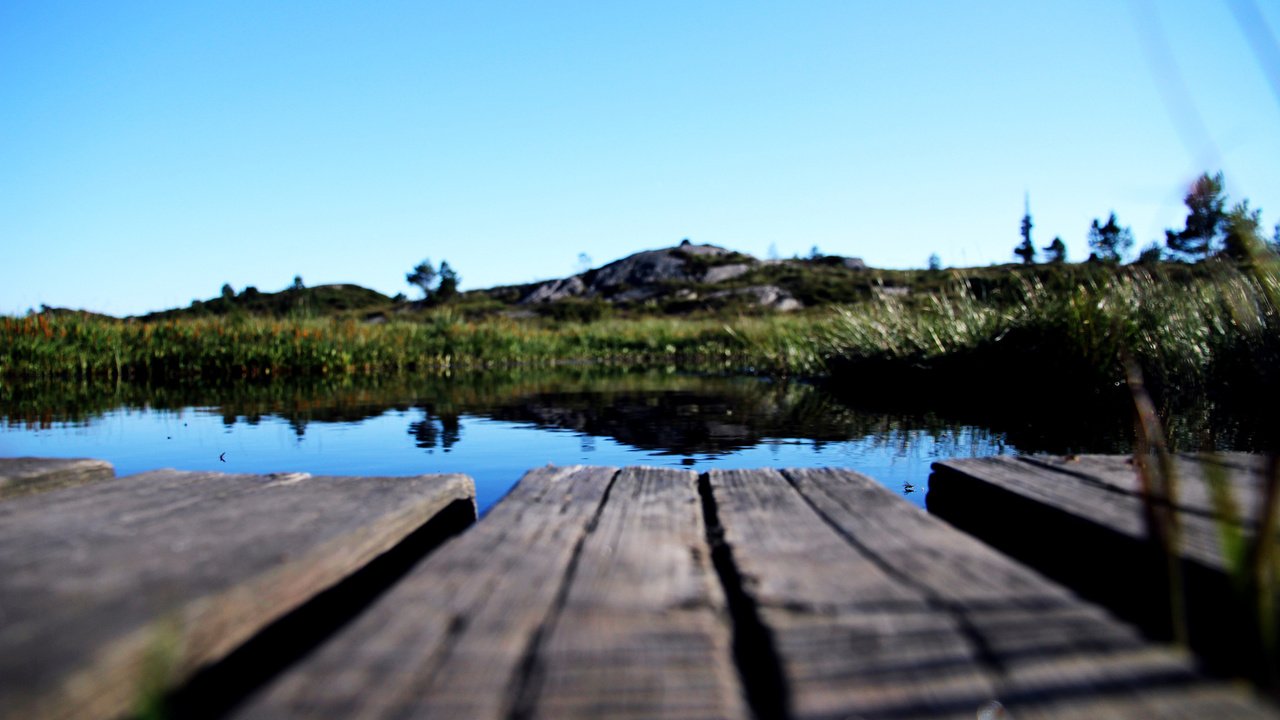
x: 770, y: 296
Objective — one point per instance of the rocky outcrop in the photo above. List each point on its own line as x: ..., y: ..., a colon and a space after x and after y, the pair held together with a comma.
x: 686, y: 274
x: 556, y: 290
x: 721, y: 273
x: 638, y: 277
x: 770, y: 296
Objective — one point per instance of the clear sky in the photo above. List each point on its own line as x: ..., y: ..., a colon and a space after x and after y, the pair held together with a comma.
x: 150, y: 152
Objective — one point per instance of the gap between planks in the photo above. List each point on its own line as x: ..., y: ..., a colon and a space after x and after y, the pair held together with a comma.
x: 592, y: 592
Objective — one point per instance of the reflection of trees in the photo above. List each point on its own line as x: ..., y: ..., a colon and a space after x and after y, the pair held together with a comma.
x: 654, y: 411
x: 444, y: 430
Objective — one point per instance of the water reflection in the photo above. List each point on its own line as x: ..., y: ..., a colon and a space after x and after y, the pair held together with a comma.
x: 494, y: 426
x: 662, y: 412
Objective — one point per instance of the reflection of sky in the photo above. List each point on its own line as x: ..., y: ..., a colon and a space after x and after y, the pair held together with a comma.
x: 494, y: 453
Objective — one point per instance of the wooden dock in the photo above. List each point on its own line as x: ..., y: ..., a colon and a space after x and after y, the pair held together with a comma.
x: 586, y: 592
x: 116, y: 588
x: 1081, y: 520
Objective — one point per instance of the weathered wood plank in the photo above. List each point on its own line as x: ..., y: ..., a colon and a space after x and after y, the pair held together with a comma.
x: 1081, y: 521
x: 851, y: 639
x: 110, y: 588
x: 27, y: 475
x: 969, y: 625
x: 452, y: 638
x: 1243, y: 474
x: 586, y: 592
x: 1098, y: 500
x: 643, y: 631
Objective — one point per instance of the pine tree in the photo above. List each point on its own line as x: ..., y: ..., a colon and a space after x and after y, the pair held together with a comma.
x: 1110, y: 242
x: 1026, y: 250
x: 1205, y: 218
x: 448, y: 282
x: 1056, y: 251
x: 1242, y: 236
x: 423, y: 275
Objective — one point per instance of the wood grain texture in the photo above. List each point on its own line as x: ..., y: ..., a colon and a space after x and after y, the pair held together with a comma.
x: 27, y: 475
x: 896, y: 614
x: 1081, y: 520
x: 642, y: 631
x: 1244, y: 475
x: 111, y: 587
x: 852, y: 640
x: 452, y: 639
x: 1097, y: 499
x: 586, y: 592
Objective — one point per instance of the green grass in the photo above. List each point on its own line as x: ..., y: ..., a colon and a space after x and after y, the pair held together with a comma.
x: 1192, y: 330
x: 1213, y: 331
x: 41, y: 346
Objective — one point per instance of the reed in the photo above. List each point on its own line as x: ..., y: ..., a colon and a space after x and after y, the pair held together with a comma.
x: 40, y: 346
x: 1214, y: 332
x: 1215, y: 329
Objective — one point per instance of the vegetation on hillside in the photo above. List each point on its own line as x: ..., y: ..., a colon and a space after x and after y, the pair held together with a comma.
x: 1194, y: 329
x: 1208, y: 327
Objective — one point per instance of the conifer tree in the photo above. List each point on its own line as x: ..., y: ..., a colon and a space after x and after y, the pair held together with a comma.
x: 1205, y: 219
x: 1110, y: 242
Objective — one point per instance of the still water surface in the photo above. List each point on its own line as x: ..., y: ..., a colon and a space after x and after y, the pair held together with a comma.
x: 496, y: 427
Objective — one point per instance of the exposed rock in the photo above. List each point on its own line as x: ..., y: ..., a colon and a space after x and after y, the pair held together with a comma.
x: 721, y: 273
x: 770, y: 296
x: 653, y: 266
x: 556, y: 290
x: 853, y: 263
x: 636, y: 294
x: 633, y: 277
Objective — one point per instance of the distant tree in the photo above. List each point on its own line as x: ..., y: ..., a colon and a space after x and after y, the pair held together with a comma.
x: 448, y: 286
x: 584, y: 262
x: 1026, y: 250
x: 1150, y: 255
x: 250, y: 292
x: 1056, y: 251
x: 1242, y: 231
x: 935, y: 262
x: 228, y: 292
x: 774, y: 255
x: 422, y: 277
x: 297, y: 282
x: 399, y: 298
x: 1205, y: 218
x: 814, y: 253
x: 1110, y: 242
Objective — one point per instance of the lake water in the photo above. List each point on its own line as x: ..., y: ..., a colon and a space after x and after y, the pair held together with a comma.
x: 495, y: 427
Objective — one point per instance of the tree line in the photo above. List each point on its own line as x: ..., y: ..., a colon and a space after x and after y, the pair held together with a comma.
x: 1211, y: 229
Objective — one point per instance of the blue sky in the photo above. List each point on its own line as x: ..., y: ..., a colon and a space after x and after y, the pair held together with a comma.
x: 150, y: 152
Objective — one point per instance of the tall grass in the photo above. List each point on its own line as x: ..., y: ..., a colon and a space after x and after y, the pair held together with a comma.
x: 41, y: 346
x: 1209, y: 332
x: 1214, y: 329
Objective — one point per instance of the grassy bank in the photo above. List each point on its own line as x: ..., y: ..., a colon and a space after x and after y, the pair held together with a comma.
x: 1214, y: 330
x: 41, y: 346
x: 1217, y: 332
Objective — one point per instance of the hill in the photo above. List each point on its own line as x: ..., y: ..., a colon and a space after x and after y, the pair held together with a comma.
x: 686, y: 279
x: 689, y: 278
x: 296, y: 301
